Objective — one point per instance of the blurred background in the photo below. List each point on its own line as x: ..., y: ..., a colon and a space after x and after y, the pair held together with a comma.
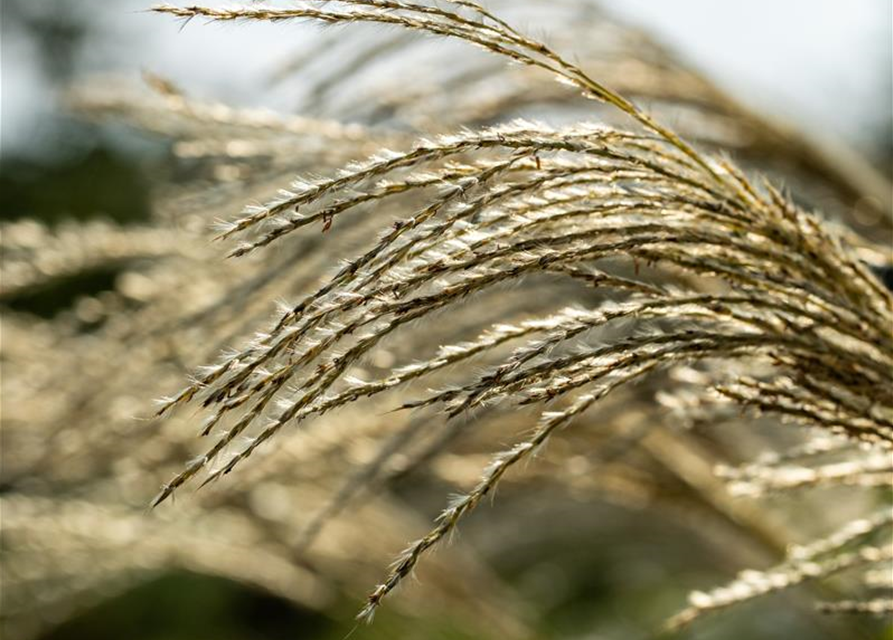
x: 614, y: 567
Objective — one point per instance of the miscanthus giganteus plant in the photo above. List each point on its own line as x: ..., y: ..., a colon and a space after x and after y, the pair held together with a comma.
x: 619, y: 279
x: 758, y: 282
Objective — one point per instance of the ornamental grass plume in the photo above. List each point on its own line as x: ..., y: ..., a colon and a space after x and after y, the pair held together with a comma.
x: 452, y: 274
x: 757, y: 281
